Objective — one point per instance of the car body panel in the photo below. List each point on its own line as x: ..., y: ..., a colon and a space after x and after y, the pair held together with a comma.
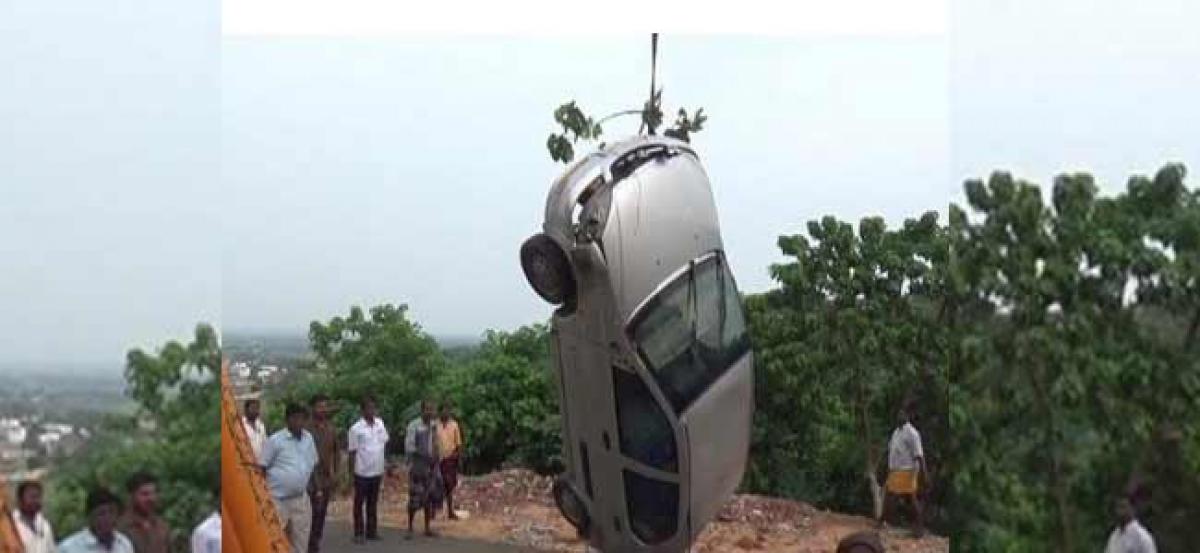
x: 607, y: 213
x: 724, y: 410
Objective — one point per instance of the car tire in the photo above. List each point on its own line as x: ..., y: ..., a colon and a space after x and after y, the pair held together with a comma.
x: 547, y: 270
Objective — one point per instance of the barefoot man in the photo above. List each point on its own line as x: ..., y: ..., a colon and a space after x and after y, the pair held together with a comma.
x: 450, y: 446
x: 420, y: 446
x: 906, y: 459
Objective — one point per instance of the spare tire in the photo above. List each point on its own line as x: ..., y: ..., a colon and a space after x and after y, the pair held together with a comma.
x: 547, y: 269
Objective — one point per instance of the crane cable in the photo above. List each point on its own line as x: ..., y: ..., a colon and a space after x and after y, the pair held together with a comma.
x: 653, y: 70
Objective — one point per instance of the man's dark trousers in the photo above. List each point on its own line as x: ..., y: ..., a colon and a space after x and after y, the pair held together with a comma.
x: 366, y: 490
x: 318, y: 521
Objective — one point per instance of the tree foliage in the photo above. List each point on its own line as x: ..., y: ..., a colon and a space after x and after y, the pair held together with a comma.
x: 502, y: 390
x: 1049, y: 343
x: 1051, y: 348
x: 1068, y: 389
x: 174, y: 436
x: 379, y: 352
x: 851, y: 334
x: 577, y: 126
x: 505, y: 396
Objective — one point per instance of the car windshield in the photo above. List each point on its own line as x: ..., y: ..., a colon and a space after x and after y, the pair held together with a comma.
x: 692, y: 331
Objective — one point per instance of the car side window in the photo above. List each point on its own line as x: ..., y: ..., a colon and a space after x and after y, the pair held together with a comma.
x: 653, y: 507
x: 644, y: 432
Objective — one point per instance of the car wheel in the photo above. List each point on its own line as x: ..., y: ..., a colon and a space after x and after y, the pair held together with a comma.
x: 547, y: 269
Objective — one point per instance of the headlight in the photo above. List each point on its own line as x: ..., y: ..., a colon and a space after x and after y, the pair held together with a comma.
x: 547, y: 269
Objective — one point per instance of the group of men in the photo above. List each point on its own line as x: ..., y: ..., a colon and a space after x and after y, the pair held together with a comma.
x: 301, y: 464
x: 109, y: 529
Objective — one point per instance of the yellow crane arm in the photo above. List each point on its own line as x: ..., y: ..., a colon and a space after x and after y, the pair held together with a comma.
x: 249, y: 522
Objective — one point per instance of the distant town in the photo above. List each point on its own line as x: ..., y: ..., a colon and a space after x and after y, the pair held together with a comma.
x: 247, y: 377
x: 29, y: 444
x: 47, y: 414
x: 262, y: 361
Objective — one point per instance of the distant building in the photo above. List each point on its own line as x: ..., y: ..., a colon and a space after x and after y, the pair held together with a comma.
x: 12, y: 431
x: 49, y: 442
x: 62, y: 429
x: 59, y: 440
x: 240, y: 370
x: 13, y: 458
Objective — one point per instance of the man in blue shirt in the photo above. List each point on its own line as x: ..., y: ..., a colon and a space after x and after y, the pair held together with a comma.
x: 288, y: 458
x: 101, y: 535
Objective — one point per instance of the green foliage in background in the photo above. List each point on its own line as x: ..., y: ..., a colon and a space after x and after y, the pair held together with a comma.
x: 850, y: 336
x: 505, y: 397
x: 1052, y: 349
x: 175, y: 436
x: 502, y: 390
x: 381, y: 352
x: 1083, y: 383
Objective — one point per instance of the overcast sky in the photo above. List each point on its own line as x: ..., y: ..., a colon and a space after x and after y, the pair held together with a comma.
x: 155, y: 175
x: 108, y: 173
x: 376, y: 170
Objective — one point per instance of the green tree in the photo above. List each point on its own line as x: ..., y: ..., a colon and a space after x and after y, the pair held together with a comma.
x: 576, y: 125
x: 506, y: 400
x: 380, y: 352
x: 1063, y: 388
x: 842, y: 344
x: 175, y: 436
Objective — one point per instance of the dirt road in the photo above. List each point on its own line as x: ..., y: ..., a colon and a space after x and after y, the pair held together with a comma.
x: 338, y: 539
x: 511, y: 511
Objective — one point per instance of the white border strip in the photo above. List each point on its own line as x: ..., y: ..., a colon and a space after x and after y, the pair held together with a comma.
x: 567, y: 18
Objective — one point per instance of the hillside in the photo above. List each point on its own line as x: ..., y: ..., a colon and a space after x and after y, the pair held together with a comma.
x: 514, y: 506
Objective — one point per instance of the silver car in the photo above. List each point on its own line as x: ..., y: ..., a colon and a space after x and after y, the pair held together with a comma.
x: 653, y: 360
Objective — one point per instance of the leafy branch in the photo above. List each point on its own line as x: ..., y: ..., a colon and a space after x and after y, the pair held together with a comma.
x: 576, y: 125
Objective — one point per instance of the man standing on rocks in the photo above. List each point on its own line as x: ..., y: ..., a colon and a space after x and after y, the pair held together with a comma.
x: 420, y: 448
x: 450, y: 445
x: 906, y: 459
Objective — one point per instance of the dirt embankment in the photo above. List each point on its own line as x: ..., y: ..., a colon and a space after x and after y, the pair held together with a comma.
x: 514, y: 506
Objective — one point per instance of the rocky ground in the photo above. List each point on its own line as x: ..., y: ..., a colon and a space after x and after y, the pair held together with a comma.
x: 515, y: 507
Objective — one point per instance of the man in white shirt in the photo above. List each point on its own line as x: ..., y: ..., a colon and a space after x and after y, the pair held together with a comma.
x: 101, y: 535
x: 906, y: 459
x: 367, y: 445
x: 256, y: 431
x: 206, y: 538
x: 1129, y: 536
x: 32, y: 527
